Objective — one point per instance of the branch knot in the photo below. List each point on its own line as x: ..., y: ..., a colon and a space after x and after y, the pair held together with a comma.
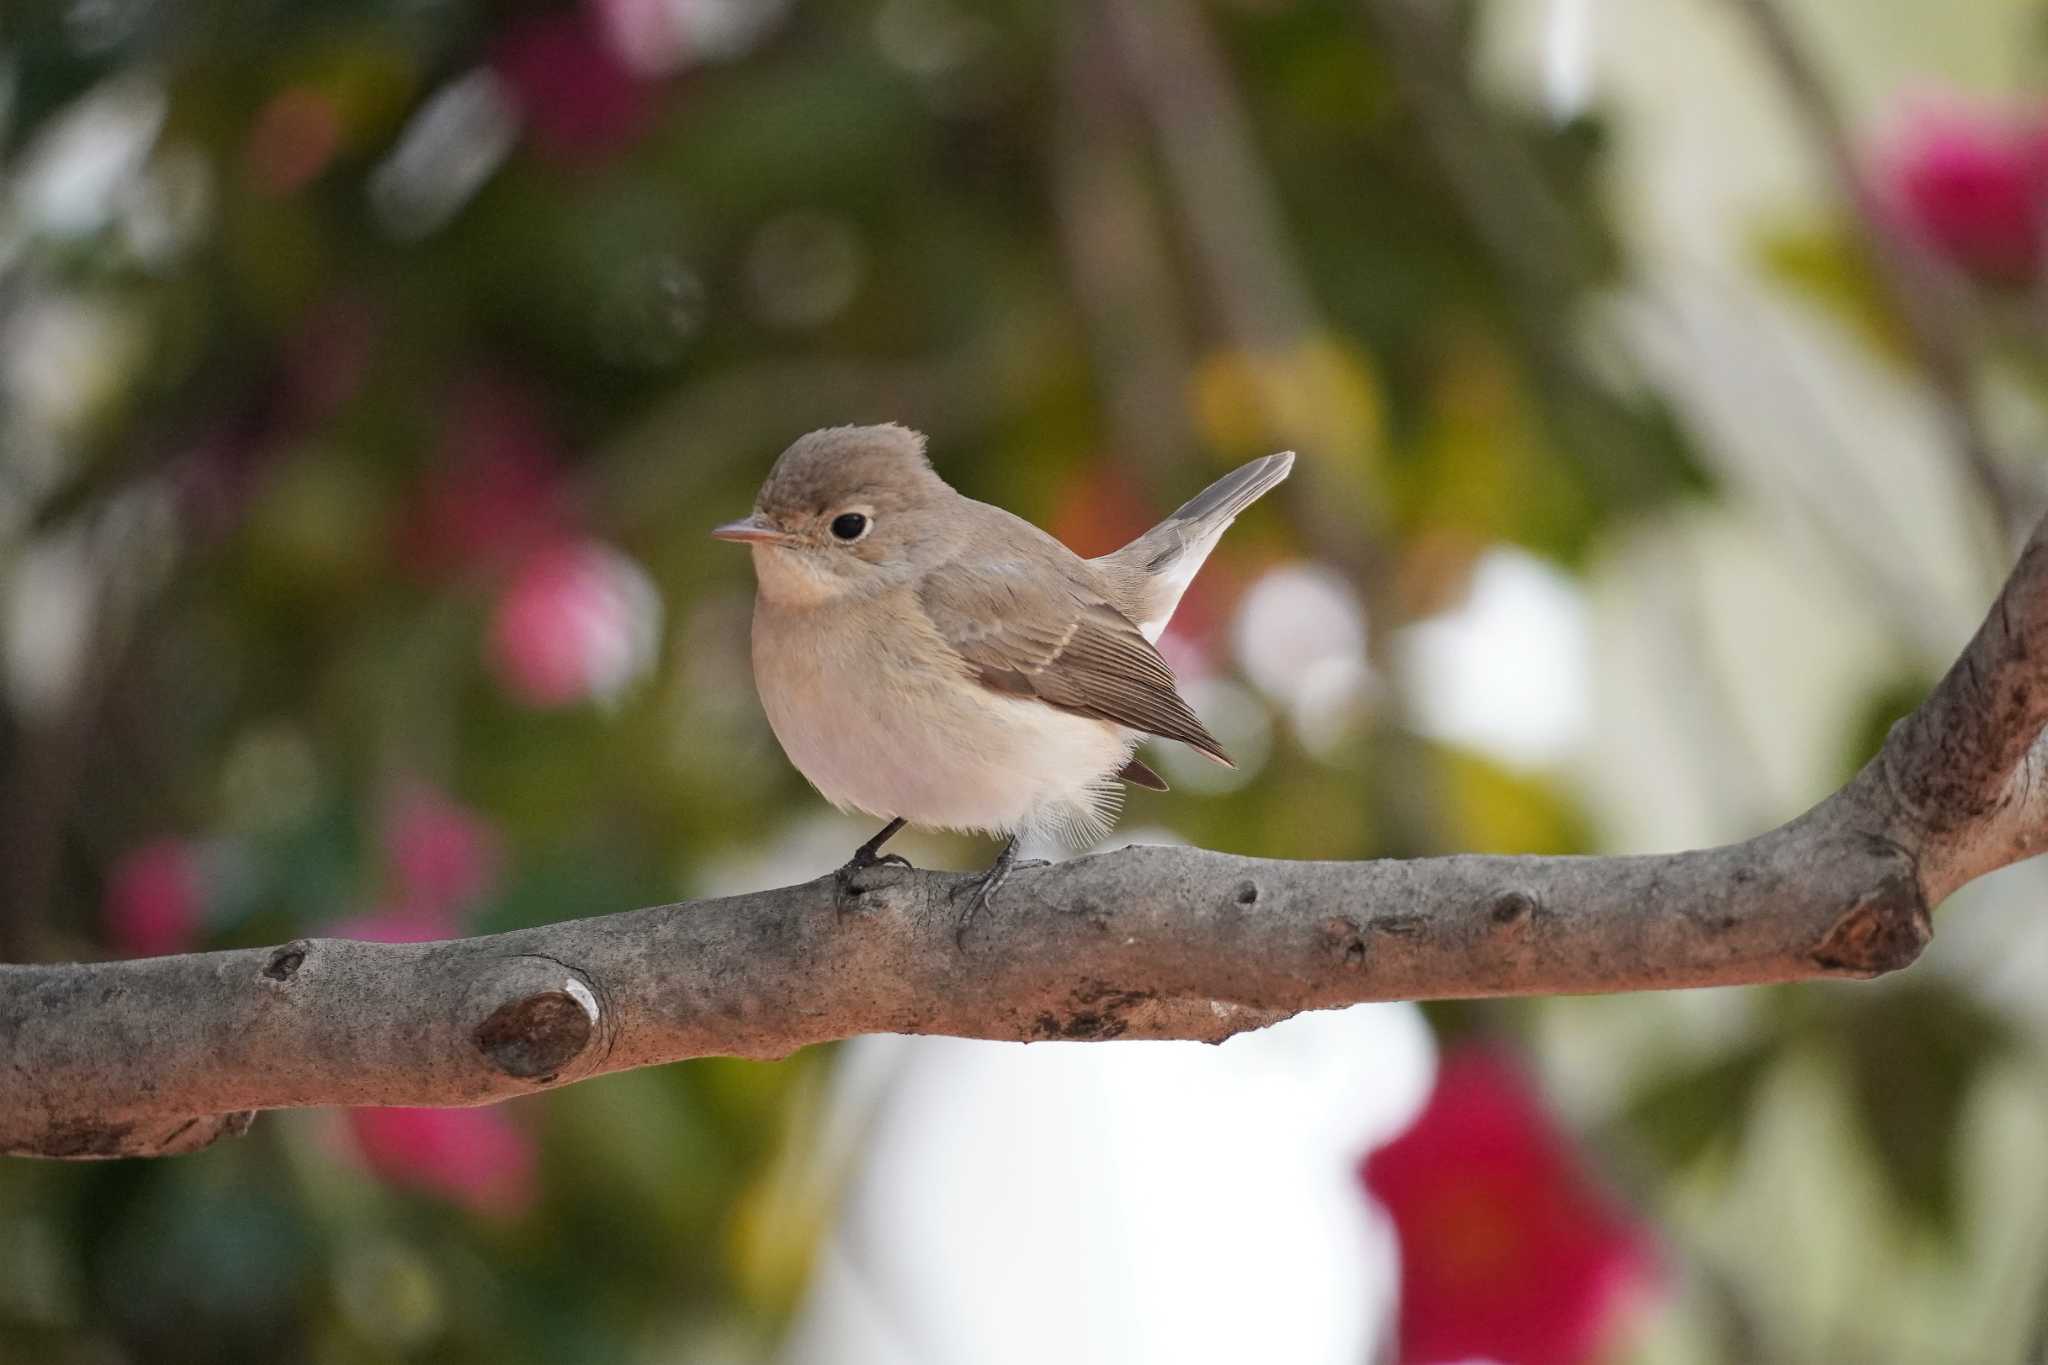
x: 1882, y: 932
x: 538, y: 1035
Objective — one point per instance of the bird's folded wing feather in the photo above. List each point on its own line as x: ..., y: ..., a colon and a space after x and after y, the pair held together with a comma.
x: 1028, y: 632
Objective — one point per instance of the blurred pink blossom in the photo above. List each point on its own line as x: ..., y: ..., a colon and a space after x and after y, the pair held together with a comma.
x: 581, y: 102
x: 577, y: 622
x: 443, y: 856
x: 476, y: 1158
x: 155, y: 899
x: 495, y: 490
x: 1508, y: 1251
x: 1972, y: 185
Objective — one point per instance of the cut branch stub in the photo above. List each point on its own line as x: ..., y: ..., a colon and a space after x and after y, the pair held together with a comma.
x: 543, y: 1024
x: 535, y: 1037
x: 1883, y: 932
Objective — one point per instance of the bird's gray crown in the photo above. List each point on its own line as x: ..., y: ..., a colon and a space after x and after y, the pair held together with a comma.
x: 883, y: 467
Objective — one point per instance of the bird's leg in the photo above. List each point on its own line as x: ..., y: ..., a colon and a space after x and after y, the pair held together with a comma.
x: 868, y: 854
x: 990, y: 882
x: 864, y: 858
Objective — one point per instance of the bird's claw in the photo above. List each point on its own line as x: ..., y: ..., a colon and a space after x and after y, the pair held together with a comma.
x: 988, y: 884
x: 851, y: 888
x: 984, y: 892
x: 878, y: 860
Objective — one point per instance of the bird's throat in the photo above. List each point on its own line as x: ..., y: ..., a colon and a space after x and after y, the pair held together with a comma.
x: 791, y: 577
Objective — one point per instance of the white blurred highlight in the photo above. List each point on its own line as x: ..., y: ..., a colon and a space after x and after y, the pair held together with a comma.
x: 621, y: 622
x: 659, y: 37
x: 1121, y: 1202
x: 1508, y: 672
x: 167, y: 211
x: 452, y: 146
x: 66, y: 358
x: 76, y: 172
x: 1567, y: 58
x: 49, y: 605
x: 1301, y: 638
x: 1240, y: 722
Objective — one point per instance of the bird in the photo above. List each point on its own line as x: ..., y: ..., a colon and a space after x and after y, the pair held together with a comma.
x: 928, y: 659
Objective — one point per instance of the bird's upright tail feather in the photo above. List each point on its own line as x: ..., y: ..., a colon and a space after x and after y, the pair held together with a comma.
x: 1168, y: 555
x: 1218, y: 505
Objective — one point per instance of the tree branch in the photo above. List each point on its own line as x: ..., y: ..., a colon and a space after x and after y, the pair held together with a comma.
x: 164, y: 1055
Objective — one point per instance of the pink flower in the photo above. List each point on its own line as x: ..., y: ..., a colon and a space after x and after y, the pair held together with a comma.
x: 155, y: 899
x: 496, y: 489
x: 1508, y: 1253
x: 581, y: 102
x: 577, y: 622
x: 476, y: 1158
x: 443, y: 857
x: 1973, y: 187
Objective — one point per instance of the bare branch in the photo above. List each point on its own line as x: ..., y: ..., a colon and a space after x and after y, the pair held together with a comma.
x: 164, y: 1055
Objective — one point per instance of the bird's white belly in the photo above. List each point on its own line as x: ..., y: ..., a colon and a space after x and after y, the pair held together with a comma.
x: 875, y: 734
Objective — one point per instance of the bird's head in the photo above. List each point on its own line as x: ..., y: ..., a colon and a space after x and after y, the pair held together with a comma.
x: 846, y: 511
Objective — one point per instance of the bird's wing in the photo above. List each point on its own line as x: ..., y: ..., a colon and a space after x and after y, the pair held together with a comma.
x: 1031, y: 629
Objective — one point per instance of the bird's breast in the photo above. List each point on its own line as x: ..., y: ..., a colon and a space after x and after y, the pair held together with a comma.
x: 878, y: 712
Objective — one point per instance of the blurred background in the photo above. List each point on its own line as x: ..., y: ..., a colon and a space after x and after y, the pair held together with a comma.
x: 1669, y: 378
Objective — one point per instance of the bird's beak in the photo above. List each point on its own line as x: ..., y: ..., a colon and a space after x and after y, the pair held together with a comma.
x: 751, y: 531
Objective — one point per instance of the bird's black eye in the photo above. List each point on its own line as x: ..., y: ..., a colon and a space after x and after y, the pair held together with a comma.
x: 849, y: 526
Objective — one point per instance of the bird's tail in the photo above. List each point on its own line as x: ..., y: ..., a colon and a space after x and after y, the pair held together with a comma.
x: 1161, y: 563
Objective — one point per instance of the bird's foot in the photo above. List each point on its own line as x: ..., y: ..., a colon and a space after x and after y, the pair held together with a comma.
x: 853, y: 885
x: 983, y: 890
x: 865, y: 857
x: 869, y: 853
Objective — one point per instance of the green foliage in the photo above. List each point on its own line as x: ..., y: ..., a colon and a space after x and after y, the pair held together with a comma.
x: 1696, y: 1110
x: 1914, y: 1056
x: 1825, y: 265
x: 1909, y: 1057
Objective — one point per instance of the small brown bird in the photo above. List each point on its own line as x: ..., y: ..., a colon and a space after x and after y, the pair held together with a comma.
x: 931, y: 659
